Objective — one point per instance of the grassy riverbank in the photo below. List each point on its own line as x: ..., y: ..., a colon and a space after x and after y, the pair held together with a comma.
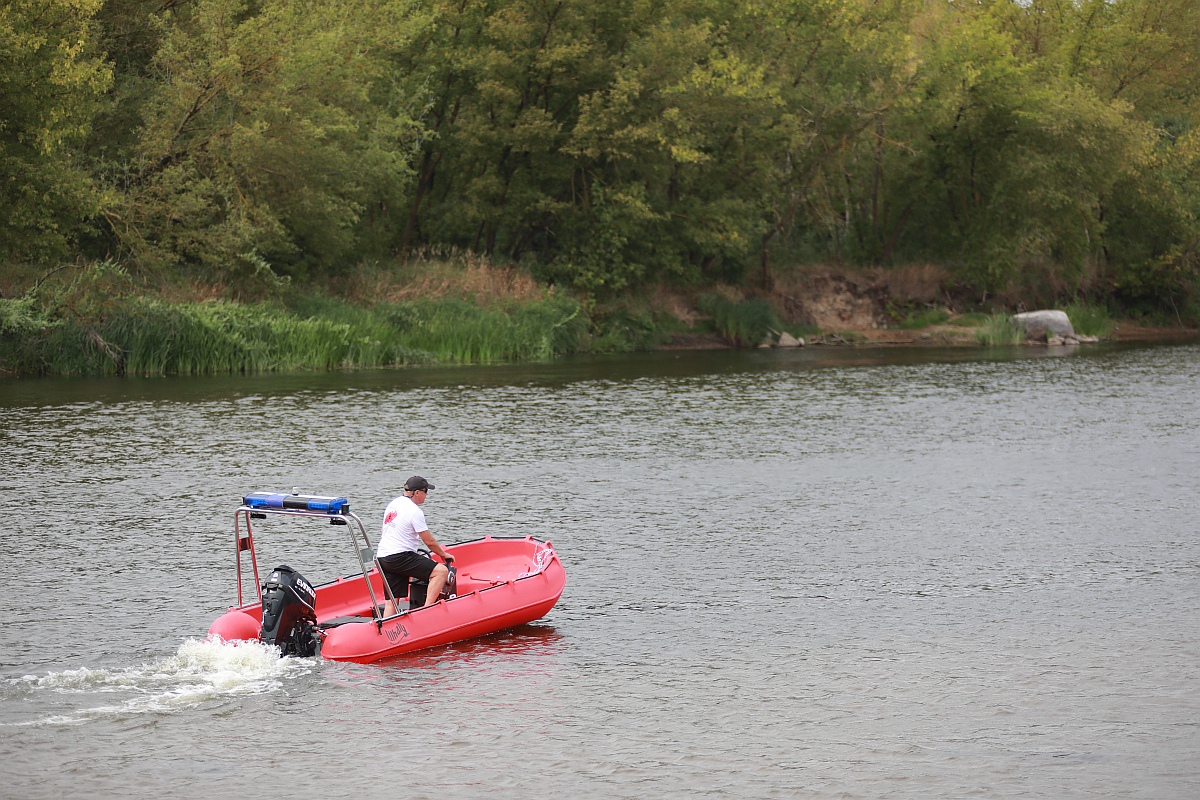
x: 98, y: 319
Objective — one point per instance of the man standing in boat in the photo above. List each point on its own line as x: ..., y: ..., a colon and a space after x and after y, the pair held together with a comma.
x: 403, y: 531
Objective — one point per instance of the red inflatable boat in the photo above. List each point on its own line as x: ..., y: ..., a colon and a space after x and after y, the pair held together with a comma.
x: 499, y: 583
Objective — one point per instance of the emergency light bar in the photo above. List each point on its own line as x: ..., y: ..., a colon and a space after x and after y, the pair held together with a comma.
x: 296, y: 502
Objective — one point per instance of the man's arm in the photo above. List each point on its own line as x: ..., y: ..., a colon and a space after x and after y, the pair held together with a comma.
x: 433, y: 545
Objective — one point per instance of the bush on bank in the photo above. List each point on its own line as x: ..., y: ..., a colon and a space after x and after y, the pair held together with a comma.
x: 743, y: 323
x: 1090, y: 320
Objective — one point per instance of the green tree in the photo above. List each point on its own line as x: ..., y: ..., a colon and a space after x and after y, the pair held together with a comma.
x: 1015, y: 158
x: 50, y: 85
x: 270, y: 131
x: 840, y: 70
x: 1141, y: 57
x: 680, y: 126
x: 627, y: 141
x: 984, y: 156
x: 504, y: 82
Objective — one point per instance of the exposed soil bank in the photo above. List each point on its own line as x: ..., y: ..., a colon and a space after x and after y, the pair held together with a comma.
x: 834, y: 306
x: 933, y: 336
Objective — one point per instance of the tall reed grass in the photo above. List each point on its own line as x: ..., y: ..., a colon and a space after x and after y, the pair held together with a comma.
x: 146, y: 336
x: 461, y: 332
x: 743, y: 324
x: 1090, y: 320
x: 999, y: 329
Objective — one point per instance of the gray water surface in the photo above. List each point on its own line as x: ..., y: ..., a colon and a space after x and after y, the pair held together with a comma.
x: 840, y: 573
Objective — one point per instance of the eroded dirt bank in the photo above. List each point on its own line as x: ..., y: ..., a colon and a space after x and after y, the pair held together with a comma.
x: 909, y: 306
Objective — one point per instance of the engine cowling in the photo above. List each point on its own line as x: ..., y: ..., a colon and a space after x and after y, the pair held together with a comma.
x: 289, y: 613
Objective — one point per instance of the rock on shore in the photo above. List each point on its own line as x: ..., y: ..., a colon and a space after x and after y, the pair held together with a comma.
x: 1045, y: 324
x: 787, y: 340
x: 1049, y: 327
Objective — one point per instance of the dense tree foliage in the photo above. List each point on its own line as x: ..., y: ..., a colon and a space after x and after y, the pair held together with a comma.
x: 264, y: 136
x: 50, y: 87
x: 610, y: 144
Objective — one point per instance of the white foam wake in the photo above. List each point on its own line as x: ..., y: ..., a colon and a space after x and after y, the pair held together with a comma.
x: 200, y: 671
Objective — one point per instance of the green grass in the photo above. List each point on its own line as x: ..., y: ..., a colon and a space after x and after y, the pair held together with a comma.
x: 970, y: 320
x: 923, y: 319
x: 144, y: 336
x: 1090, y: 320
x: 744, y: 324
x: 998, y: 329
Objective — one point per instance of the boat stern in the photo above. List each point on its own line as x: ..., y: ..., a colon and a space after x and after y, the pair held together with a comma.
x: 235, y: 625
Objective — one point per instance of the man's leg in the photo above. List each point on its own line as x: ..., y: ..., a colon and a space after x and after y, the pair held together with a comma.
x: 437, y: 580
x: 394, y: 582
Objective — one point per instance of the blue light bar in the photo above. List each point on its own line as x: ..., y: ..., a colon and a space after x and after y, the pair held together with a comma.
x: 296, y: 502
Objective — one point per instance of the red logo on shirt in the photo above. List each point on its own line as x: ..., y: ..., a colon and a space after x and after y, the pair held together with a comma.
x: 391, y: 515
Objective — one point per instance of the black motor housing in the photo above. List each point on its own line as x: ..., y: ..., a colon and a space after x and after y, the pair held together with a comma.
x: 289, y: 613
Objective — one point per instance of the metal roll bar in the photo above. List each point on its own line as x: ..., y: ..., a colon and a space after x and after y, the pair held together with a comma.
x: 246, y: 542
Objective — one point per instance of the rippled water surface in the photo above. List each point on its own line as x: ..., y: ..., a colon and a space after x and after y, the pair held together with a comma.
x: 814, y: 574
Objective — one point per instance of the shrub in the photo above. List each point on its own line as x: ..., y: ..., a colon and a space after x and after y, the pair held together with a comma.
x: 743, y: 324
x: 628, y: 328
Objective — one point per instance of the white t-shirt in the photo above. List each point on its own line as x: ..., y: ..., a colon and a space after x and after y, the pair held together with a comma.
x: 403, y: 521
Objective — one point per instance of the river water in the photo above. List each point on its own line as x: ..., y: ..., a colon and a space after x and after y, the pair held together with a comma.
x: 825, y: 573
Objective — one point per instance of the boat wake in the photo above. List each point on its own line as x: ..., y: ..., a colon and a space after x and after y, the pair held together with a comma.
x: 199, y: 672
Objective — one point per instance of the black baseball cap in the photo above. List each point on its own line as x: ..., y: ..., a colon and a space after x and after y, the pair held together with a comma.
x: 417, y: 484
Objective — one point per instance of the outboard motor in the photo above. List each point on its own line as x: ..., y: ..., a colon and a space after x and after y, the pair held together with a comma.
x: 418, y: 590
x: 289, y: 613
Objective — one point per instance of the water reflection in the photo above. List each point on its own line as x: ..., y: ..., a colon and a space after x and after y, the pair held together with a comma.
x: 518, y: 648
x: 525, y: 643
x: 662, y: 364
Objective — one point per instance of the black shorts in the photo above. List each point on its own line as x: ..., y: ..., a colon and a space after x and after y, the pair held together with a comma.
x: 399, y: 567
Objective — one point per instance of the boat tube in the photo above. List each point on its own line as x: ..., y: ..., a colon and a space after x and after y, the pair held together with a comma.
x: 500, y: 583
